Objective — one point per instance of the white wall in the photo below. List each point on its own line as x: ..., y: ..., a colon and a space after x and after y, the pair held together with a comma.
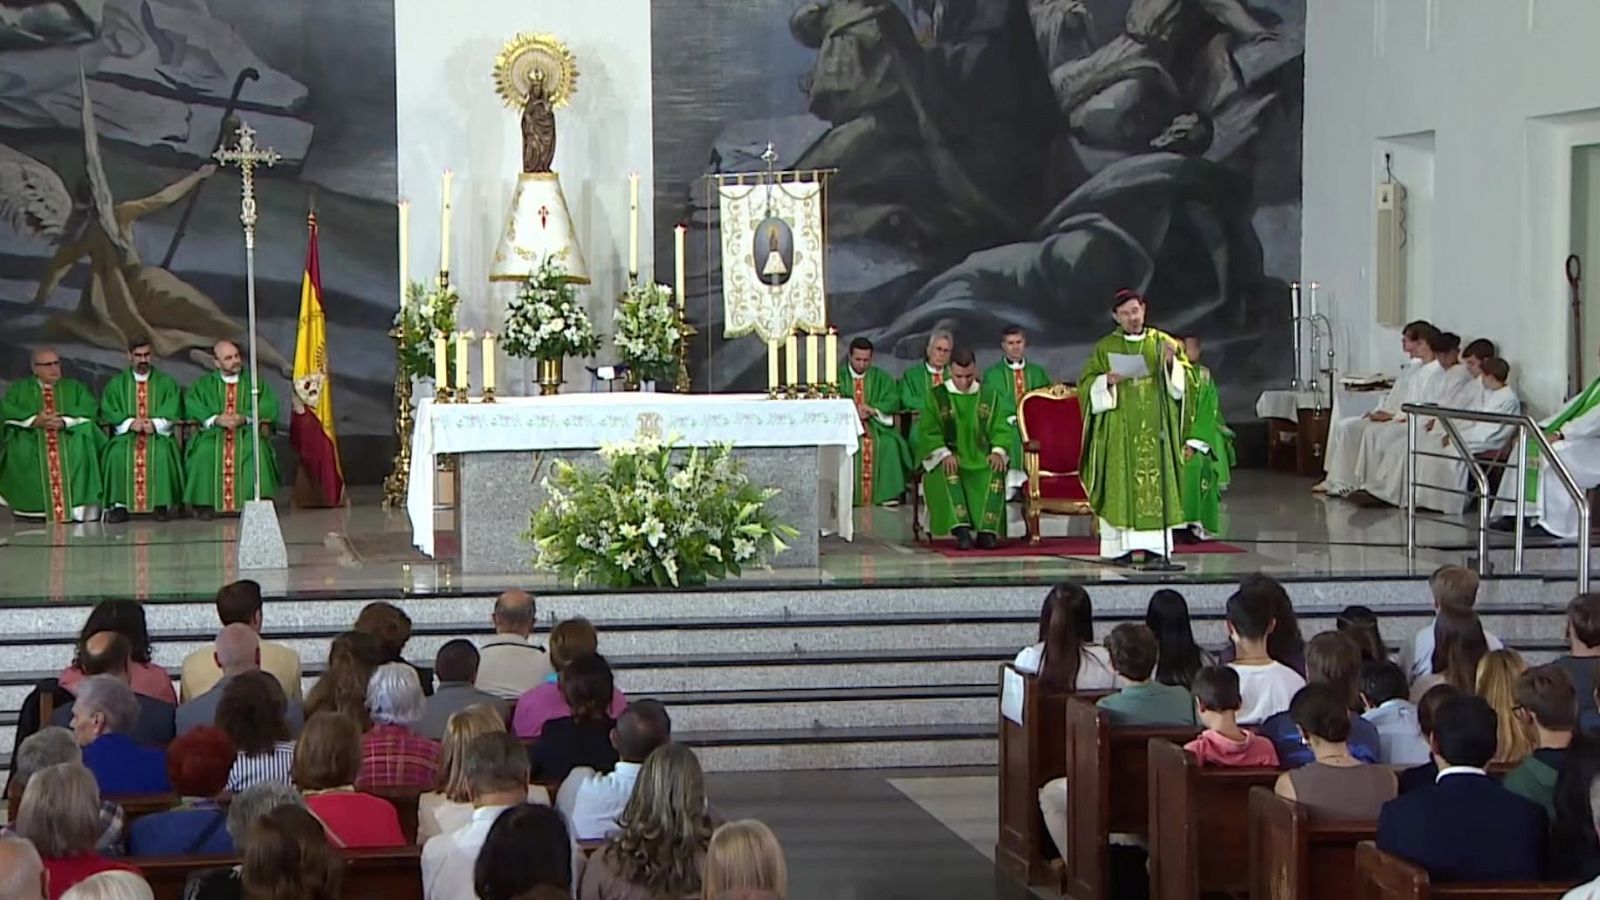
x: 1507, y: 87
x: 451, y: 117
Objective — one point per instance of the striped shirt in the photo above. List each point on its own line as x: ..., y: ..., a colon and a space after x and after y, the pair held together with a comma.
x: 395, y: 756
x: 249, y: 771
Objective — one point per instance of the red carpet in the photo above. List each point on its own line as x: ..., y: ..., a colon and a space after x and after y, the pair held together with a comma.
x: 1065, y: 546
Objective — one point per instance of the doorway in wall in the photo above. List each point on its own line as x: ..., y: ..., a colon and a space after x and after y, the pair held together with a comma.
x: 1586, y: 246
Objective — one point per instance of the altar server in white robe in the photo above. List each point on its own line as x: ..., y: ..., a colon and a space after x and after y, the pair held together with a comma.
x: 1344, y: 437
x: 1443, y: 381
x: 1574, y: 435
x: 1474, y: 355
x: 1421, y: 387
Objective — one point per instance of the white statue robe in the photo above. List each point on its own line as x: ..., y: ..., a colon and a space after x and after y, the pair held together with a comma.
x: 1434, y: 475
x: 1344, y: 437
x: 1552, y: 508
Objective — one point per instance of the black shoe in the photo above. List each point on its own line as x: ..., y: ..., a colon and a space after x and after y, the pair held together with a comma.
x: 162, y: 514
x: 117, y: 516
x: 1186, y: 537
x: 963, y: 537
x: 987, y: 541
x: 1504, y: 523
x: 204, y: 513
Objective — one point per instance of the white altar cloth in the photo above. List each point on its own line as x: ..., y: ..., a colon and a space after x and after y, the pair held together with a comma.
x: 584, y: 421
x: 1285, y: 404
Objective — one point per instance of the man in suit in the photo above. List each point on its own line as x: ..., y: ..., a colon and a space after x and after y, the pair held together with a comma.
x: 1466, y: 827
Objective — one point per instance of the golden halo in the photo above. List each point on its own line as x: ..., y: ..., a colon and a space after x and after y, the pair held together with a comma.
x: 528, y: 53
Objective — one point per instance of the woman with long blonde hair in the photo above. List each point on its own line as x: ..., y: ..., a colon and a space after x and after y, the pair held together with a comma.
x: 665, y: 831
x: 1497, y: 683
x: 449, y: 805
x: 744, y: 856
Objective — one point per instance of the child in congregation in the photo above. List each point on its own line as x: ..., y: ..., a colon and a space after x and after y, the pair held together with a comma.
x: 1224, y: 743
x: 1383, y: 693
x: 1423, y: 776
x: 1142, y: 700
x: 1547, y: 703
x: 1265, y: 685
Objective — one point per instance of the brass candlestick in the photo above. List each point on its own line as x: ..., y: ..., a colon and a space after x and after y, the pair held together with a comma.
x: 685, y: 333
x: 398, y: 483
x: 488, y: 395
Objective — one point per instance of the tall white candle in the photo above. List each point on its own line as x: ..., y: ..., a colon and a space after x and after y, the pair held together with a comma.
x: 679, y: 279
x: 791, y: 362
x: 441, y: 353
x: 405, y: 249
x: 831, y: 356
x: 444, y: 223
x: 633, y: 224
x: 463, y: 359
x: 1294, y: 300
x: 488, y: 361
x: 811, y: 358
x: 1314, y: 287
x: 772, y: 364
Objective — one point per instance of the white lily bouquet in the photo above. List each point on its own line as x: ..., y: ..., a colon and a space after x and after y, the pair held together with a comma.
x: 652, y: 513
x: 428, y: 310
x: 545, y: 320
x: 647, y: 332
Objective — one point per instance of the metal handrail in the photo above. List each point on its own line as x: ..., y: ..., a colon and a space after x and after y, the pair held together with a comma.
x: 1525, y: 426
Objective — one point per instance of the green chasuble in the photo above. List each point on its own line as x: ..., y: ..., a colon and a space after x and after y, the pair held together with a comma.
x: 218, y: 467
x: 1577, y: 406
x: 141, y: 471
x: 1124, y: 466
x: 1010, y: 385
x: 970, y: 426
x: 883, y: 457
x: 915, y: 384
x: 1205, y: 474
x: 55, y: 474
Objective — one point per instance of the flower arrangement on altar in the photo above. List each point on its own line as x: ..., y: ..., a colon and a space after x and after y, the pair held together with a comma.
x: 546, y: 321
x: 652, y: 513
x: 428, y: 310
x: 647, y: 331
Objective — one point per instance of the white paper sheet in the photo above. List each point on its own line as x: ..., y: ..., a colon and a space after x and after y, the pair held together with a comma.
x: 1011, y: 689
x: 1129, y: 365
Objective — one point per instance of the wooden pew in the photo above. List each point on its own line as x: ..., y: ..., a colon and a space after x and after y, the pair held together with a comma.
x: 1030, y: 755
x: 384, y: 873
x: 137, y: 806
x: 1382, y: 876
x: 1107, y: 783
x: 1199, y: 824
x: 1293, y: 859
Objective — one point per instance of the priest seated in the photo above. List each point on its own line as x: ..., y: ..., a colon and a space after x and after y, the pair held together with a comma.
x: 140, y: 466
x: 961, y: 439
x: 220, y: 461
x: 1574, y: 435
x: 50, y: 448
x: 883, y: 459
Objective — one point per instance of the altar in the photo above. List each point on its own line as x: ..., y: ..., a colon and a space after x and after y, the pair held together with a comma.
x: 503, y: 449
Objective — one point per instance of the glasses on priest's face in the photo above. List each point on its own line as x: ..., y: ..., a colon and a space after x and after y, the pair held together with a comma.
x: 48, y: 364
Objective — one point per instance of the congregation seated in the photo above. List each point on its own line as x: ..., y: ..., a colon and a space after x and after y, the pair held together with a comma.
x: 1423, y: 776
x: 1142, y: 700
x: 238, y: 651
x: 1223, y: 742
x: 392, y: 627
x: 495, y: 767
x: 1178, y: 657
x: 54, y: 745
x: 103, y: 719
x: 327, y: 759
x: 352, y: 658
x: 239, y: 603
x: 1583, y: 654
x: 583, y: 736
x: 60, y: 814
x: 661, y: 845
x: 106, y: 654
x: 593, y: 801
x: 1284, y: 642
x: 1545, y: 702
x: 244, y: 810
x: 1334, y: 785
x: 1360, y: 624
x: 449, y: 805
x: 197, y: 765
x: 510, y: 664
x: 1496, y: 683
x: 392, y: 754
x: 527, y: 848
x: 1455, y: 591
x: 1466, y: 827
x: 1333, y: 659
x: 1066, y: 658
x: 253, y: 713
x: 1266, y: 684
x: 124, y: 617
x: 456, y: 665
x: 569, y: 640
x: 744, y: 857
x: 287, y: 853
x: 1383, y: 693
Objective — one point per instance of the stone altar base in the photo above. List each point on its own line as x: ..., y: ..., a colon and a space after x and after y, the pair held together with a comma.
x: 499, y: 491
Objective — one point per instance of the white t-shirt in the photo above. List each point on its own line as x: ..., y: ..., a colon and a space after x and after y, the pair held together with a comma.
x: 1094, y: 666
x: 1265, y: 691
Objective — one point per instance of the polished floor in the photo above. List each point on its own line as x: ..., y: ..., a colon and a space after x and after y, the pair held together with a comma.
x: 1283, y: 528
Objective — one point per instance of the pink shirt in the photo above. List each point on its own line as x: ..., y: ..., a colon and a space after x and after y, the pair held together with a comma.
x: 147, y: 679
x: 545, y: 702
x: 1212, y: 748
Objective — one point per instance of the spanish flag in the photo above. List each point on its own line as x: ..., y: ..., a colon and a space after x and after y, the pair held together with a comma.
x: 311, y: 426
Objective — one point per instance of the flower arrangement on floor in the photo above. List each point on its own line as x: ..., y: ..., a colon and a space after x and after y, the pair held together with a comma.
x: 546, y: 321
x: 647, y: 332
x: 428, y: 310
x: 651, y: 513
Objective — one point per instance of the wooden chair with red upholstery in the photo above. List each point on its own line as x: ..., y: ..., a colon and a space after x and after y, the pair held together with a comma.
x: 1051, y: 422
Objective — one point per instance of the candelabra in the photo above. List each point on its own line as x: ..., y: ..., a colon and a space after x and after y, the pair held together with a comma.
x: 398, y: 483
x: 1325, y: 330
x: 686, y: 333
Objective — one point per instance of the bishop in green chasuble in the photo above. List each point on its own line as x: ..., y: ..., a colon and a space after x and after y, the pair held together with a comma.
x: 1131, y: 474
x: 1208, y: 456
x: 50, y: 445
x: 961, y: 440
x: 219, y: 463
x: 139, y: 466
x: 882, y: 459
x: 1011, y: 378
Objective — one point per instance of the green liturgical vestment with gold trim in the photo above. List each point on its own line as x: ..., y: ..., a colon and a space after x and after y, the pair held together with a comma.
x: 970, y: 427
x: 45, y: 472
x: 1126, y: 466
x: 1206, y: 472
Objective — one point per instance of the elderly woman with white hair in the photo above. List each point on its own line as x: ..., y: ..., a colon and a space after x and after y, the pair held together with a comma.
x: 111, y: 886
x: 247, y: 807
x: 102, y: 718
x: 60, y: 814
x: 52, y: 746
x: 392, y: 754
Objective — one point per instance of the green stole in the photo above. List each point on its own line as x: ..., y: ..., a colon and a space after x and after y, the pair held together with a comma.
x: 1576, y: 407
x: 1126, y: 469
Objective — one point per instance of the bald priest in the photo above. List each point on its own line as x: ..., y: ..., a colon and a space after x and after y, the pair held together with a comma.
x: 50, y: 445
